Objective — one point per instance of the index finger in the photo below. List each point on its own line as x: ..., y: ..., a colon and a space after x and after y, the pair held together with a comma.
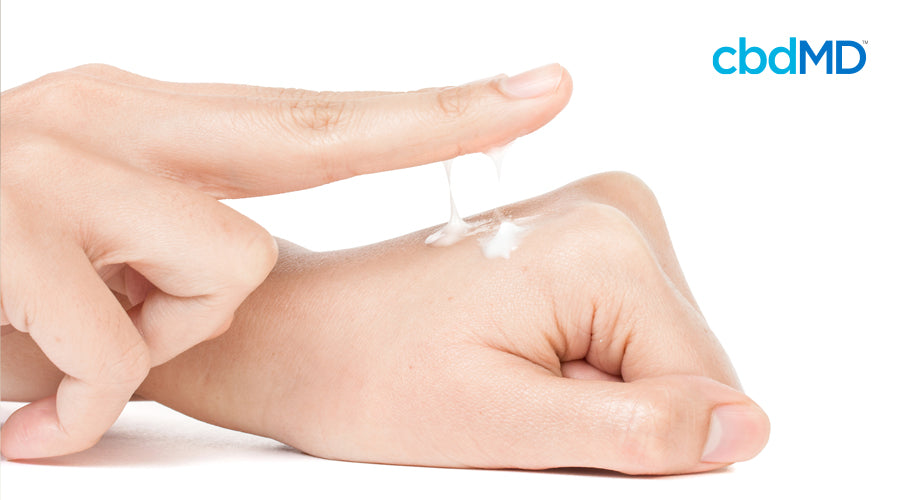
x: 234, y: 146
x: 116, y: 75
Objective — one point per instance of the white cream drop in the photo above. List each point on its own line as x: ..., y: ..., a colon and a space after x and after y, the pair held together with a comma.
x: 497, y: 154
x: 508, y: 235
x: 456, y: 229
x: 504, y: 241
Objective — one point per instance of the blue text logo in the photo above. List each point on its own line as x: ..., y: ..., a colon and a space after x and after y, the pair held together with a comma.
x: 830, y: 53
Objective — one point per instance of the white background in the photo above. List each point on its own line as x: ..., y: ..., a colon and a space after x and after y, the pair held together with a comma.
x: 780, y: 193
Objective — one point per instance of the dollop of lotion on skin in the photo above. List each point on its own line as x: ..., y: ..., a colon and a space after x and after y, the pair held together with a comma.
x: 501, y: 243
x: 509, y: 234
x: 456, y: 229
x: 504, y: 241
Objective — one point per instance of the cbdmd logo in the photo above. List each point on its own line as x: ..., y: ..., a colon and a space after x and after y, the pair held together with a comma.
x: 830, y: 52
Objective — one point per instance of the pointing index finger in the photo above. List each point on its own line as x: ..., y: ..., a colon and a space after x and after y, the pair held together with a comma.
x: 238, y: 146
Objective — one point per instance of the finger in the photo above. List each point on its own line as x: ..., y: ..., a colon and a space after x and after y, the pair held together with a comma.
x: 236, y: 147
x: 656, y: 330
x: 526, y: 417
x: 122, y: 77
x: 79, y: 325
x: 640, y: 325
x: 174, y: 314
x: 582, y: 370
x: 201, y: 269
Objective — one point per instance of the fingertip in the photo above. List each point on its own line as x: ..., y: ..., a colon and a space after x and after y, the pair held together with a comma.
x: 529, y: 101
x: 550, y: 86
x: 31, y: 431
x: 537, y: 82
x: 566, y: 84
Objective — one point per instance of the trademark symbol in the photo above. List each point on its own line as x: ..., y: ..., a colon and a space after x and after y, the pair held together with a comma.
x: 865, y: 42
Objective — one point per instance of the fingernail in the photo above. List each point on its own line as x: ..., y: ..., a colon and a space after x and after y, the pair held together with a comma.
x: 533, y: 83
x: 736, y: 433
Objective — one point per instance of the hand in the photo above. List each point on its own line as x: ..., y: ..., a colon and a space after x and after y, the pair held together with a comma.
x: 117, y: 255
x: 585, y: 348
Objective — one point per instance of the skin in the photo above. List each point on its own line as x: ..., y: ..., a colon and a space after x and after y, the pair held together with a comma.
x: 110, y: 188
x: 584, y: 348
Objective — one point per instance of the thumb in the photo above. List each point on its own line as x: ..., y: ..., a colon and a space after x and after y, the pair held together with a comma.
x: 661, y: 425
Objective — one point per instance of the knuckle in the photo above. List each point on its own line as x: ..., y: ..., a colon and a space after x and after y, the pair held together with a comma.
x: 611, y: 230
x: 593, y: 238
x: 56, y: 97
x: 29, y: 150
x: 28, y: 155
x: 454, y: 102
x: 594, y: 227
x: 222, y: 328
x: 598, y: 217
x: 573, y: 242
x: 622, y: 190
x: 128, y: 368
x: 263, y: 251
x: 287, y: 93
x: 603, y: 183
x: 65, y: 86
x: 97, y: 69
x: 317, y: 114
x: 256, y: 256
